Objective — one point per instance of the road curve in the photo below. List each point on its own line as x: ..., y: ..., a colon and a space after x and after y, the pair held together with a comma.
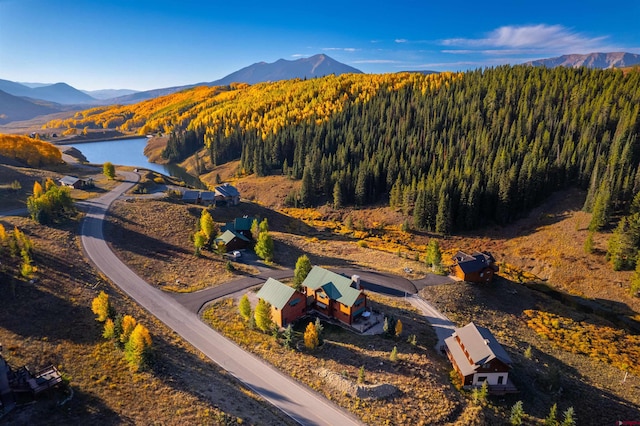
x: 296, y: 400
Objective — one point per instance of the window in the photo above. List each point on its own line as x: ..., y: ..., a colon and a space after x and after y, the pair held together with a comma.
x: 482, y: 379
x: 500, y: 379
x: 294, y: 302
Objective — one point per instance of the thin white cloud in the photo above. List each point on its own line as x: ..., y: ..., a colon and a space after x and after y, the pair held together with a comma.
x: 341, y: 49
x: 528, y: 38
x: 401, y: 40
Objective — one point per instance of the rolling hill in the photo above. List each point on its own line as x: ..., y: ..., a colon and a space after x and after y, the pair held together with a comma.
x: 60, y: 93
x: 15, y: 108
x: 591, y: 60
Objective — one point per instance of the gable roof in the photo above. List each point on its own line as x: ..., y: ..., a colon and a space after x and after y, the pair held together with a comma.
x: 207, y: 196
x: 336, y: 286
x: 227, y: 190
x: 475, y: 262
x: 276, y: 293
x: 190, y: 195
x: 479, y: 343
x: 228, y: 236
x: 69, y: 180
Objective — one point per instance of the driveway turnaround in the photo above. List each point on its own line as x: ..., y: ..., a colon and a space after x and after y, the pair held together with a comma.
x: 296, y: 400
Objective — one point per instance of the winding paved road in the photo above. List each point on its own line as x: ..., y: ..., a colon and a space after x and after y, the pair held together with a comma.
x: 296, y: 400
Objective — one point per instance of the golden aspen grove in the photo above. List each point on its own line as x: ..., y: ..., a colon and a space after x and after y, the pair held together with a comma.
x: 264, y: 108
x: 33, y: 152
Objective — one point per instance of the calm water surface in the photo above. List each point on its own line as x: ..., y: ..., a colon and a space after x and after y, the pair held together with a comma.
x: 130, y: 152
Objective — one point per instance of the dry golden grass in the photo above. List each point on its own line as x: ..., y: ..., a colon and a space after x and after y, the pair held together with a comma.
x: 425, y: 395
x: 50, y: 322
x: 154, y: 238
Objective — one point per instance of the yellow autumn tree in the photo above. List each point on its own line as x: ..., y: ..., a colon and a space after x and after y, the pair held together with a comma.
x: 311, y: 339
x: 37, y: 190
x: 128, y: 325
x: 137, y: 347
x: 101, y: 306
x: 109, y: 330
x: 398, y: 328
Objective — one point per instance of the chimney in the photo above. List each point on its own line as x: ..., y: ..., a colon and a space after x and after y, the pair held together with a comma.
x: 356, y: 280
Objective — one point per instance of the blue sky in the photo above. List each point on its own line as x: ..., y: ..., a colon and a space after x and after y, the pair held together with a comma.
x: 140, y: 44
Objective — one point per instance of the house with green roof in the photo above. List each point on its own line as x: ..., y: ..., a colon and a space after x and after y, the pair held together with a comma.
x: 287, y: 304
x: 232, y: 240
x: 334, y: 295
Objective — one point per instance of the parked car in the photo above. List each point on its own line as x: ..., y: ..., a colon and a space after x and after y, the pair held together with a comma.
x: 235, y: 254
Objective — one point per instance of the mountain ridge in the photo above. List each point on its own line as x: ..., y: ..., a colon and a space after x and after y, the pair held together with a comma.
x: 313, y: 66
x: 590, y: 60
x: 60, y: 93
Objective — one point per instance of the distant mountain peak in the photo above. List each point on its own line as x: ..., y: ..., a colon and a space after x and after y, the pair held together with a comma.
x: 309, y: 67
x: 590, y: 60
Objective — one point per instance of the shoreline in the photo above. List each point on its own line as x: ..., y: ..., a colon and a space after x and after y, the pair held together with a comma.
x: 101, y: 139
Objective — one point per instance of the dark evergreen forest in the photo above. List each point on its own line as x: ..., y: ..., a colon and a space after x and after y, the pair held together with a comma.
x: 483, y: 149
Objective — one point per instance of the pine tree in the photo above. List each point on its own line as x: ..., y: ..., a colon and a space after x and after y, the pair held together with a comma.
x: 311, y: 339
x: 361, y: 375
x: 551, y: 419
x: 634, y: 288
x: 517, y: 414
x: 109, y: 170
x: 101, y: 306
x: 262, y: 316
x: 303, y: 267
x: 288, y: 337
x: 244, y: 307
x: 338, y: 199
x: 569, y: 419
x: 319, y: 329
x: 393, y: 357
x: 306, y: 189
x: 588, y: 243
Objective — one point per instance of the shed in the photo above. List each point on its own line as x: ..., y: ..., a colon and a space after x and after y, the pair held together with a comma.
x: 191, y: 197
x: 72, y: 182
x: 287, y: 304
x: 207, y: 198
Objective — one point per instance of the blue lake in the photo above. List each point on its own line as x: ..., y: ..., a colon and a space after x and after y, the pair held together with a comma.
x: 130, y: 152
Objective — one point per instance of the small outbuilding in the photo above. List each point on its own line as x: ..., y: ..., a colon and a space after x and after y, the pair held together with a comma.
x: 287, y: 304
x: 207, y: 198
x: 479, y: 267
x: 73, y: 182
x: 191, y: 197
